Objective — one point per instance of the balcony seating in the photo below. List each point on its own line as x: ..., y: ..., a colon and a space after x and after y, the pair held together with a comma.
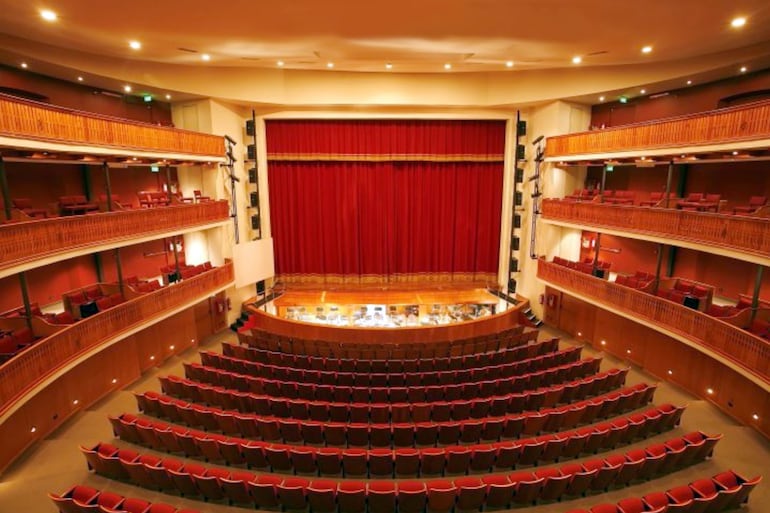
x: 200, y: 197
x: 582, y: 195
x: 700, y: 202
x: 63, y: 318
x: 755, y: 203
x: 25, y: 206
x: 153, y: 199
x: 722, y: 311
x: 76, y: 205
x: 658, y: 199
x: 621, y: 198
x: 117, y: 204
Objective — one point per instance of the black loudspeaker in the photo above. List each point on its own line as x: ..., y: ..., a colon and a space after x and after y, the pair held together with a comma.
x: 521, y: 152
x: 253, y: 199
x: 514, y: 266
x: 599, y: 273
x: 517, y: 221
x: 519, y: 175
x: 261, y: 287
x: 518, y: 198
x: 515, y: 242
x: 511, y: 286
x: 251, y: 151
x: 521, y: 128
x: 255, y: 222
x: 249, y: 127
x: 253, y: 175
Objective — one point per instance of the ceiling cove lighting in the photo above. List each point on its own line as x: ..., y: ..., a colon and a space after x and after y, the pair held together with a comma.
x: 647, y: 49
x: 48, y: 15
x: 135, y: 45
x: 577, y: 59
x: 738, y: 22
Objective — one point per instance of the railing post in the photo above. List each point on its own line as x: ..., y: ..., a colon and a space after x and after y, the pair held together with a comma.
x: 107, y: 186
x: 176, y: 258
x: 668, y: 183
x: 4, y: 187
x: 604, y: 180
x: 119, y: 269
x: 658, y: 265
x: 596, y: 252
x: 755, y: 297
x: 25, y: 298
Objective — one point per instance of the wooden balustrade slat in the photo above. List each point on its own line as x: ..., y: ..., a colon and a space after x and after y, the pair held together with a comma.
x: 44, y: 357
x: 742, y: 233
x: 740, y: 346
x: 37, y: 121
x: 739, y: 123
x: 27, y: 241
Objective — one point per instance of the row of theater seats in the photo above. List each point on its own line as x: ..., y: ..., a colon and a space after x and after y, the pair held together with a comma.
x: 601, y: 269
x: 212, y: 360
x: 89, y: 301
x: 407, y: 364
x: 12, y: 342
x: 696, y: 201
x: 81, y: 498
x: 640, y: 280
x: 170, y: 274
x: 469, y: 389
x: 434, y: 452
x: 250, y: 335
x: 525, y: 487
x: 382, y: 431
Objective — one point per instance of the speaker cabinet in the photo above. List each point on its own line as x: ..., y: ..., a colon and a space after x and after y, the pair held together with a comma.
x: 518, y: 198
x: 521, y: 128
x: 511, y: 286
x: 521, y: 152
x: 261, y: 287
x: 519, y: 175
x: 250, y: 127
x: 253, y: 175
x: 515, y: 243
x: 514, y: 265
x: 253, y: 199
x: 255, y: 222
x: 517, y: 221
x: 251, y: 151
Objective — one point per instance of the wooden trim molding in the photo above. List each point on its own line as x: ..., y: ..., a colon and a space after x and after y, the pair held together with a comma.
x: 737, y: 124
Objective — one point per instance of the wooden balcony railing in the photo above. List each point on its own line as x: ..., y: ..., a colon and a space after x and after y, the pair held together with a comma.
x: 746, y: 350
x: 28, y: 119
x: 32, y: 366
x: 749, y: 235
x: 741, y: 123
x: 32, y: 240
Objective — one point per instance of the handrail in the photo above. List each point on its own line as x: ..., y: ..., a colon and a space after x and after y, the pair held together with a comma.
x: 746, y: 122
x: 741, y: 347
x: 31, y: 240
x: 22, y: 118
x: 745, y: 234
x: 29, y: 368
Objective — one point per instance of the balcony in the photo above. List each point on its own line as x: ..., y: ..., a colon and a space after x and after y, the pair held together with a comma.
x: 38, y: 364
x: 743, y: 126
x: 29, y: 124
x: 743, y: 237
x: 29, y: 244
x: 743, y: 350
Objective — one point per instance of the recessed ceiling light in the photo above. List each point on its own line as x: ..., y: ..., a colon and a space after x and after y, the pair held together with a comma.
x: 628, y: 351
x: 738, y: 22
x: 689, y: 82
x: 127, y: 88
x: 168, y: 96
x: 509, y: 64
x: 80, y: 79
x: 743, y: 69
x: 577, y: 59
x: 48, y: 15
x: 33, y: 429
x: 670, y: 372
x: 114, y: 380
x: 205, y: 57
x: 647, y: 49
x: 735, y: 153
x: 601, y: 98
x: 643, y: 91
x: 24, y: 65
x: 447, y: 66
x: 710, y: 391
x: 755, y: 416
x: 279, y: 63
x: 329, y: 65
x: 135, y: 45
x: 388, y: 66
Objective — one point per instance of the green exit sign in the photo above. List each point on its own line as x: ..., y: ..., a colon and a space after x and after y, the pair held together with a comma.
x: 147, y: 98
x: 154, y: 169
x: 610, y: 168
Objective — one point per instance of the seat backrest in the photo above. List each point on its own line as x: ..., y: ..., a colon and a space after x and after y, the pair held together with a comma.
x: 710, y: 198
x: 694, y: 196
x: 757, y: 201
x: 22, y: 202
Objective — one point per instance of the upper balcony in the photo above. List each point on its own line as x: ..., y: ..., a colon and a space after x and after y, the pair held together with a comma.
x: 743, y: 237
x: 734, y: 346
x: 29, y: 125
x: 734, y: 128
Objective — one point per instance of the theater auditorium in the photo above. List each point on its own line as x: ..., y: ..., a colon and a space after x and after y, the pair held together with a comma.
x: 416, y: 257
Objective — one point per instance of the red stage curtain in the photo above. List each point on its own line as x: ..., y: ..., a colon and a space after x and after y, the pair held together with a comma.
x: 385, y: 221
x: 385, y: 140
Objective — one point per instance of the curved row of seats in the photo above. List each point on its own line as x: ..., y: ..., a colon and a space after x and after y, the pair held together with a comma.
x: 459, y: 409
x: 81, y: 498
x: 392, y: 365
x: 596, y: 474
x: 249, y: 335
x: 386, y: 434
x: 414, y: 394
x: 506, y: 454
x: 395, y: 379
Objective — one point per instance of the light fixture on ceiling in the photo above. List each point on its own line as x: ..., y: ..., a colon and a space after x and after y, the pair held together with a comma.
x: 135, y: 45
x: 279, y: 64
x: 447, y: 66
x: 80, y: 79
x: 689, y: 82
x: 168, y: 96
x: 205, y: 57
x: 744, y: 69
x: 647, y: 49
x: 24, y: 65
x: 509, y: 64
x: 577, y: 59
x: 601, y: 98
x: 388, y: 66
x: 330, y: 65
x: 48, y: 15
x: 127, y: 88
x: 643, y: 91
x: 710, y: 391
x: 738, y: 22
x: 755, y: 416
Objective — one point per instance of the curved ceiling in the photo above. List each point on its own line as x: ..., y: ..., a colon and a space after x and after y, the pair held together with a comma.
x: 414, y: 37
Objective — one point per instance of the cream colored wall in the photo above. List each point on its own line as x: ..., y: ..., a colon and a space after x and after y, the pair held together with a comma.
x: 552, y: 119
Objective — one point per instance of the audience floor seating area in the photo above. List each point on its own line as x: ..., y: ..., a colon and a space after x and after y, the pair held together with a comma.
x: 629, y: 417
